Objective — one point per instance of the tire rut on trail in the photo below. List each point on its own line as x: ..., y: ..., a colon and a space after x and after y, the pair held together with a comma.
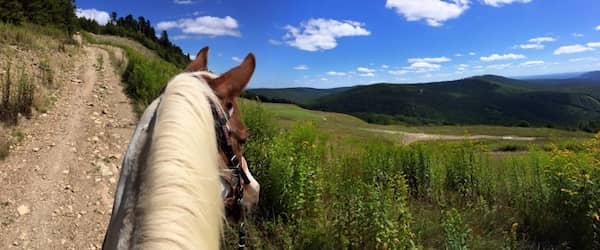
x: 58, y: 183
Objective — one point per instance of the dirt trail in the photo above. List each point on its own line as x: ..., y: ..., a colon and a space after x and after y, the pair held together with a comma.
x: 57, y: 184
x: 409, y: 138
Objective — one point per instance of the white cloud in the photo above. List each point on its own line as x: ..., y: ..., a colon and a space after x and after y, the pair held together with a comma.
x: 572, y: 49
x: 237, y: 59
x: 183, y: 1
x: 398, y: 72
x: 577, y: 35
x: 365, y: 70
x: 423, y: 67
x: 430, y: 60
x: 499, y: 66
x: 204, y: 26
x: 275, y: 42
x: 594, y: 45
x: 532, y: 63
x: 322, y: 34
x: 462, y: 67
x: 367, y: 75
x: 531, y: 46
x: 472, y: 53
x: 497, y: 57
x: 598, y: 28
x: 584, y: 59
x: 384, y: 66
x: 324, y: 79
x: 101, y: 17
x: 301, y: 67
x: 499, y: 3
x: 458, y: 55
x: 544, y: 39
x: 434, y: 12
x: 335, y: 73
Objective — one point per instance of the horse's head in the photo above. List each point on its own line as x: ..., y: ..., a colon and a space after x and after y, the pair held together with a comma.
x: 228, y: 87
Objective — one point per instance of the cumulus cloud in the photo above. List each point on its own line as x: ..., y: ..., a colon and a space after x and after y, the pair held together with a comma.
x: 423, y: 67
x: 472, y: 53
x: 584, y: 59
x: 572, y: 49
x: 497, y: 57
x: 598, y: 28
x: 532, y: 63
x: 101, y: 17
x: 301, y: 67
x: 434, y: 12
x: 237, y: 59
x: 462, y: 67
x: 430, y: 59
x: 544, y: 39
x: 275, y: 42
x: 365, y: 70
x: 537, y: 42
x: 370, y: 74
x: 398, y: 72
x: 335, y: 73
x: 384, y: 66
x: 322, y: 34
x: 594, y: 45
x: 204, y: 26
x: 499, y: 66
x: 183, y: 1
x: 531, y: 46
x: 499, y: 3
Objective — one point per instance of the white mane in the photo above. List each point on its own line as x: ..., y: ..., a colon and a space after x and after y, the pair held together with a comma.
x: 180, y: 206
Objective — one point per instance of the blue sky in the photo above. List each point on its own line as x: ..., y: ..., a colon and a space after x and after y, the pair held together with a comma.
x: 331, y: 43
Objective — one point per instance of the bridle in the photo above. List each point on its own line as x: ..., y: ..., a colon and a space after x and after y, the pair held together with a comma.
x: 234, y: 200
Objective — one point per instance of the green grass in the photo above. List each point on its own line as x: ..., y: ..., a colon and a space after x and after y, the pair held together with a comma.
x: 351, y: 129
x: 432, y: 195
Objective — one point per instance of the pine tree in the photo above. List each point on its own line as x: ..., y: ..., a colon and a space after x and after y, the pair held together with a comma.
x: 11, y: 11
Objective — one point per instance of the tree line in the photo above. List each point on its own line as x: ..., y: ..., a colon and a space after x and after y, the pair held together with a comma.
x: 61, y: 14
x: 141, y: 30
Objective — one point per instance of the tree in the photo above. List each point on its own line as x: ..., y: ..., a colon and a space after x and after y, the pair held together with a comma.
x: 11, y: 11
x: 164, y: 39
x: 113, y: 17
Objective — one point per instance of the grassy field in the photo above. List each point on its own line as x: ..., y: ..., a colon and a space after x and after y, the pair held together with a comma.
x: 342, y: 126
x: 381, y: 194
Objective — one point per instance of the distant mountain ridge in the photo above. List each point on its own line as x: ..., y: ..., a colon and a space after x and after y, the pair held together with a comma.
x: 302, y: 96
x: 487, y: 99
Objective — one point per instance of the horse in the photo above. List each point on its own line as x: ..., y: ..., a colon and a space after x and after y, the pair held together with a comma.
x: 184, y: 172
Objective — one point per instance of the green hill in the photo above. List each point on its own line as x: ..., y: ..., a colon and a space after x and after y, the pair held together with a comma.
x: 489, y: 99
x: 302, y: 96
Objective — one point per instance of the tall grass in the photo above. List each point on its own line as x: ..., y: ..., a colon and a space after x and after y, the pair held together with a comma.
x: 366, y: 197
x: 17, y: 95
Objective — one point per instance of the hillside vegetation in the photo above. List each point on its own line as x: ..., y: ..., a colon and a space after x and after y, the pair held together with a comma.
x: 488, y: 100
x: 382, y: 195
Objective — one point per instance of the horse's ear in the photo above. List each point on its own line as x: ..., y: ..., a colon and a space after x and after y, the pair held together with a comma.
x: 200, y: 63
x: 233, y: 82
